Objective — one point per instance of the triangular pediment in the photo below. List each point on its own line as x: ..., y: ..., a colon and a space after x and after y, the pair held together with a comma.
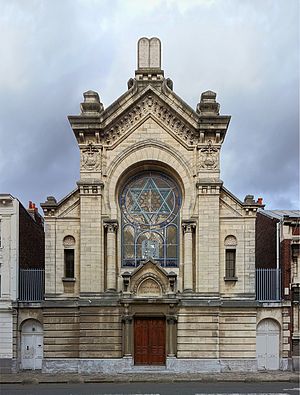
x: 69, y: 207
x: 230, y: 206
x: 149, y: 280
x: 175, y: 116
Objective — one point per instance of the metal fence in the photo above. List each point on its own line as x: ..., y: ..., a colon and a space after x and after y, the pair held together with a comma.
x: 31, y: 285
x: 268, y: 285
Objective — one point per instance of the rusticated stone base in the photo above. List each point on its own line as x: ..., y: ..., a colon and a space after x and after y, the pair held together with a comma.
x: 190, y: 365
x: 124, y: 365
x: 296, y: 363
x: 86, y: 366
x: 8, y: 365
x: 238, y: 365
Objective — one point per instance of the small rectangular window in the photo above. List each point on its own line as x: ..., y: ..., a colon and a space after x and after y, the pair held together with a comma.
x: 230, y: 264
x: 69, y: 263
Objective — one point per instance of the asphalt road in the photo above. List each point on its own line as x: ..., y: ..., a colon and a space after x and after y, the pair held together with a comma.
x: 187, y: 388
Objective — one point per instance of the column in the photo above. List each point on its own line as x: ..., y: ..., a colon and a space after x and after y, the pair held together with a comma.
x: 127, y: 319
x: 188, y: 256
x: 171, y: 321
x: 111, y: 227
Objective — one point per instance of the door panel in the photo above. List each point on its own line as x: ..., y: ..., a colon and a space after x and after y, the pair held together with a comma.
x: 149, y: 341
x: 267, y: 345
x: 31, y: 345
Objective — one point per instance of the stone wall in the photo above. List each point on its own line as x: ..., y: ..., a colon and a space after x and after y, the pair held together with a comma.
x: 216, y: 333
x: 90, y: 332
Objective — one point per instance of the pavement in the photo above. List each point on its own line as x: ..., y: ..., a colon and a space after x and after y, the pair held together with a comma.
x: 36, y: 377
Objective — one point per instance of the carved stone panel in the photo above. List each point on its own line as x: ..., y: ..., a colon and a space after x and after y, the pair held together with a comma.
x: 208, y: 157
x: 149, y: 287
x: 91, y: 158
x: 149, y: 280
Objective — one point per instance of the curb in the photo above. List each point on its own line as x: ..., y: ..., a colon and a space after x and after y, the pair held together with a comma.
x: 143, y: 379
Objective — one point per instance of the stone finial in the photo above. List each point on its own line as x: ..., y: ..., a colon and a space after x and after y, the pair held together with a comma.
x: 91, y: 105
x: 208, y: 104
x: 51, y: 200
x: 149, y: 53
x: 49, y: 206
x: 249, y: 199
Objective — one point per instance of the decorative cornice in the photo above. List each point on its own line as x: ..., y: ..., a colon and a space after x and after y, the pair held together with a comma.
x: 90, y: 186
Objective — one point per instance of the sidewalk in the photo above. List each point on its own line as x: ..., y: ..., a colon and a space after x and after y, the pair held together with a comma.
x: 38, y: 377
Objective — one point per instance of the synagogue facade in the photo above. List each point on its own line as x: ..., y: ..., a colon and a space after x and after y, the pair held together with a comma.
x: 151, y: 260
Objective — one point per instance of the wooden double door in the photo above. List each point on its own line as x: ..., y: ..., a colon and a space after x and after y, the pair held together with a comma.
x: 149, y: 341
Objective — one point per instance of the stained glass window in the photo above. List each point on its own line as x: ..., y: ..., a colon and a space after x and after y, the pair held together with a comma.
x: 150, y: 206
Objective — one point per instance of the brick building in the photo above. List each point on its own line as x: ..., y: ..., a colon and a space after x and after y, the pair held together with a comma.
x: 150, y: 260
x: 277, y: 254
x: 21, y: 256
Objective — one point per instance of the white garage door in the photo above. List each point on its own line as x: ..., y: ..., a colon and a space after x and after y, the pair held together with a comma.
x: 267, y: 345
x: 31, y: 345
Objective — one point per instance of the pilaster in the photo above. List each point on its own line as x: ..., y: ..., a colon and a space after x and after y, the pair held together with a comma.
x: 111, y: 255
x: 208, y: 260
x: 171, y: 335
x: 91, y: 250
x: 188, y: 228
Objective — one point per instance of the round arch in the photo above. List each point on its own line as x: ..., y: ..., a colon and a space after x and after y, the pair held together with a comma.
x: 146, y: 156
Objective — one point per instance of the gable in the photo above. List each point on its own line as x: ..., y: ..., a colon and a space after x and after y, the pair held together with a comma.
x: 230, y: 207
x: 150, y: 104
x: 149, y: 280
x: 69, y: 207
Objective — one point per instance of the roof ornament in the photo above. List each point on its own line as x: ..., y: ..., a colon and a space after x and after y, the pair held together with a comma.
x: 149, y: 53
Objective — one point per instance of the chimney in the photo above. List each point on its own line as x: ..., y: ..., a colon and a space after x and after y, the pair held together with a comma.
x: 260, y: 201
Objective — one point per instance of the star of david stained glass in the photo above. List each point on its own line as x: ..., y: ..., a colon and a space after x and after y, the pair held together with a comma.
x: 150, y: 206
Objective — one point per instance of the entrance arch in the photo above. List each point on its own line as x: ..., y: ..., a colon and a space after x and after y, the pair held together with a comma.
x: 31, y: 345
x: 267, y: 345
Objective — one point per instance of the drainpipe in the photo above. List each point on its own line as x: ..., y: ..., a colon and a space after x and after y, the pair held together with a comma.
x: 278, y: 259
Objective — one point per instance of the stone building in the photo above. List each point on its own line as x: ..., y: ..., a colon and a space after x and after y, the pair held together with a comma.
x: 21, y: 253
x: 151, y: 260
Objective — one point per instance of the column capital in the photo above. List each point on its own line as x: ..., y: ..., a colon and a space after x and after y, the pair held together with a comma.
x: 127, y: 319
x: 111, y: 225
x: 188, y: 226
x: 171, y: 319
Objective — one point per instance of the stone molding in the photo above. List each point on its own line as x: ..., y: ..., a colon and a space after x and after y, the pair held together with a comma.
x: 90, y: 187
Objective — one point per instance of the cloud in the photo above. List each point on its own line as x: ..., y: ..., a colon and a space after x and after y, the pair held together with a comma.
x: 245, y: 51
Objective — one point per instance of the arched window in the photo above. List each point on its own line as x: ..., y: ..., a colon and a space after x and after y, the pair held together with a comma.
x: 69, y: 244
x: 230, y: 258
x: 150, y: 204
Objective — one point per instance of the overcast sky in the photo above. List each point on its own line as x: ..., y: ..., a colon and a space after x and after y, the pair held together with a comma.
x: 52, y: 51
